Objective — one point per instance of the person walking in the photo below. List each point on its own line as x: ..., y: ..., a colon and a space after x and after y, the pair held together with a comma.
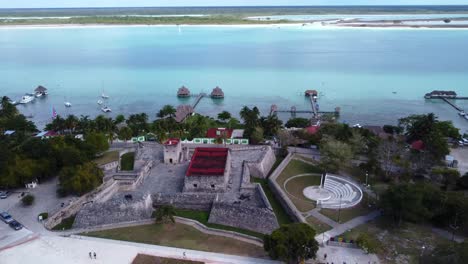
x: 90, y: 255
x: 94, y: 255
x: 185, y: 256
x: 325, y: 256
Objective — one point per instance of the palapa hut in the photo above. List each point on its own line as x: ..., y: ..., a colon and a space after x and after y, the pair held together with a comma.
x: 217, y: 93
x: 183, y: 92
x: 40, y: 90
x: 311, y: 93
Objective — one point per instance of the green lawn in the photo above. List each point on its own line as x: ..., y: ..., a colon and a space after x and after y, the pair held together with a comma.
x: 402, y: 243
x: 107, y: 157
x: 319, y: 226
x: 295, y: 187
x: 179, y: 235
x: 66, y: 223
x: 281, y: 215
x: 147, y: 259
x: 127, y: 161
x: 347, y: 214
x: 202, y: 217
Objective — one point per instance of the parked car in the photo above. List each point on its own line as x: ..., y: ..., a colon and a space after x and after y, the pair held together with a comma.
x: 4, y: 194
x: 15, y: 225
x: 6, y: 217
x: 465, y: 141
x: 461, y: 143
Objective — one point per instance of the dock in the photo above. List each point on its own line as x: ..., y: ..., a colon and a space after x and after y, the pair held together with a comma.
x: 459, y: 109
x: 183, y: 111
x: 449, y: 97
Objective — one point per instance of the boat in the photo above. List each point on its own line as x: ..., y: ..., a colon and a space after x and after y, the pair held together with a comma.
x: 27, y: 98
x: 462, y: 113
x: 68, y: 104
x: 99, y: 102
x: 106, y: 109
x: 104, y: 96
x: 466, y: 117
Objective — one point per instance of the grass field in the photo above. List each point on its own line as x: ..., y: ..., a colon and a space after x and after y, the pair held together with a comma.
x: 179, y: 235
x: 319, y: 226
x: 107, y: 157
x: 147, y: 259
x: 347, y: 214
x: 127, y: 161
x: 66, y: 223
x: 295, y: 187
x: 398, y: 245
x: 202, y: 217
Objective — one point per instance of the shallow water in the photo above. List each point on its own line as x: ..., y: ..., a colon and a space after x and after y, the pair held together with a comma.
x: 374, y: 75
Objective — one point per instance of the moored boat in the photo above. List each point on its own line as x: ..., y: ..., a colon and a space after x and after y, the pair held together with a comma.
x: 27, y: 98
x: 40, y: 91
x: 68, y: 104
x: 462, y: 113
x: 106, y: 109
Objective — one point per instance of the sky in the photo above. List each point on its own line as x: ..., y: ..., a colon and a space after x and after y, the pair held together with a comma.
x: 128, y: 3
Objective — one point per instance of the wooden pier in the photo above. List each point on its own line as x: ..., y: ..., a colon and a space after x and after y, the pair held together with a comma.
x: 459, y: 109
x: 183, y: 111
x: 198, y: 99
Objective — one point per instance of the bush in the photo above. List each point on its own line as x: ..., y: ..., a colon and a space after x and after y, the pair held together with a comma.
x: 28, y: 200
x: 127, y: 161
x: 367, y: 243
x: 43, y: 215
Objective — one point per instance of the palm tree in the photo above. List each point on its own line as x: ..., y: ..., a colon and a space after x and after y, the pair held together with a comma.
x: 223, y: 116
x: 8, y: 109
x: 70, y: 123
x: 167, y: 110
x: 165, y: 214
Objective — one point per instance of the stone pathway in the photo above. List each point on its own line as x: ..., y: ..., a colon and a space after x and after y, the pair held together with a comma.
x: 342, y: 228
x: 316, y: 213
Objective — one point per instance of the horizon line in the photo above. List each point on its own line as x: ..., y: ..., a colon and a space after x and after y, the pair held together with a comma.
x: 241, y: 6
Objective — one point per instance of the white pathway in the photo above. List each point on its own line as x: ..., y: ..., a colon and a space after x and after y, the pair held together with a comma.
x: 75, y: 249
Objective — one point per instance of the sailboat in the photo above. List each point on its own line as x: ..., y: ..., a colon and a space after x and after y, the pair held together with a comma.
x: 104, y: 95
x: 67, y: 103
x: 99, y: 102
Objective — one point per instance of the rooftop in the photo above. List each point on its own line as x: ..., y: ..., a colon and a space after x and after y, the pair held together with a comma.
x: 208, y: 162
x: 172, y: 142
x: 218, y: 132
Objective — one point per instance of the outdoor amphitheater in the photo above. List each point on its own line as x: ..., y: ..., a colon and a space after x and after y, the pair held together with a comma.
x: 335, y: 192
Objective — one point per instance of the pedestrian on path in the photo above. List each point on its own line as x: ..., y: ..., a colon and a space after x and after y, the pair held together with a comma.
x: 90, y: 255
x: 94, y: 255
x: 185, y: 256
x: 325, y: 256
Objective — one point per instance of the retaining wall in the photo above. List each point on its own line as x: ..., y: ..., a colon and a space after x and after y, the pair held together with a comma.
x: 189, y: 201
x: 282, y: 197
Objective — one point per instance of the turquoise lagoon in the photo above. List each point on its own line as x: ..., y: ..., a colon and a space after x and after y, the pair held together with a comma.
x: 375, y: 75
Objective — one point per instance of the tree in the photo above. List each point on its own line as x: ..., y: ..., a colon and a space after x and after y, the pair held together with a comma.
x: 119, y: 119
x: 125, y: 133
x: 98, y: 141
x: 165, y: 214
x: 224, y: 116
x: 292, y: 243
x: 257, y: 135
x: 28, y: 200
x: 270, y: 124
x: 138, y: 123
x: 166, y: 111
x: 298, y: 122
x: 334, y: 154
x: 80, y: 179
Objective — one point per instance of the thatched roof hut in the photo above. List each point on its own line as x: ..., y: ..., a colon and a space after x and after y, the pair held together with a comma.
x: 40, y: 89
x: 217, y: 93
x: 183, y: 92
x: 311, y: 93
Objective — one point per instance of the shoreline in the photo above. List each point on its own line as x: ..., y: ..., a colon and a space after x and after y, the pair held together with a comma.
x: 253, y: 25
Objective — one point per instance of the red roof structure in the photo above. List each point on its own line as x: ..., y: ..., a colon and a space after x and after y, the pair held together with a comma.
x: 312, y: 130
x: 417, y: 145
x: 208, y: 162
x: 218, y: 132
x: 172, y: 142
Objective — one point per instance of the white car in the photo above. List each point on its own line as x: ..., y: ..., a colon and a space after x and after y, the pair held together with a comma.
x: 461, y: 143
x: 465, y: 141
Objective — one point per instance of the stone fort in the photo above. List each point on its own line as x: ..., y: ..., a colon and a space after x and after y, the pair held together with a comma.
x: 216, y: 179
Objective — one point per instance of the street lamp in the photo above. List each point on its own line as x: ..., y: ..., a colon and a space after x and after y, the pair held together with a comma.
x: 339, y: 209
x: 367, y: 178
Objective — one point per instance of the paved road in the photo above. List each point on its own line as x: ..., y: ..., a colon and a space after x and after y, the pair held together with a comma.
x: 54, y: 249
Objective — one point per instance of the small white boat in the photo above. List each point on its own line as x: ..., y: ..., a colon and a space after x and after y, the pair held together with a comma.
x: 27, y: 98
x: 104, y: 96
x: 68, y: 104
x: 99, y: 102
x: 462, y: 113
x: 466, y: 117
x: 106, y: 109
